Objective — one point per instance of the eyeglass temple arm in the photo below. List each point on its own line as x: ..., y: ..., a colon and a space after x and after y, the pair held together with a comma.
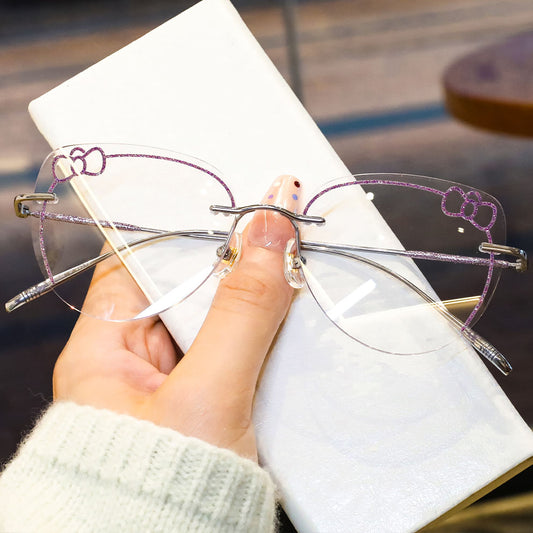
x: 520, y: 265
x: 47, y: 285
x: 481, y: 345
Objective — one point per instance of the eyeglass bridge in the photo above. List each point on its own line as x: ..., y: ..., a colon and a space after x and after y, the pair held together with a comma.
x: 228, y: 210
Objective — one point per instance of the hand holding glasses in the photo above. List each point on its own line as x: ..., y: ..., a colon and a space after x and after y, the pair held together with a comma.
x: 177, y: 223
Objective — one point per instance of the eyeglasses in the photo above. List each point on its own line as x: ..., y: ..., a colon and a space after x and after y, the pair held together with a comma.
x: 402, y: 264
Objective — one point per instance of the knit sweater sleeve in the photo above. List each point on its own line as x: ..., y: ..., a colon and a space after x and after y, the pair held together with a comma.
x: 85, y: 469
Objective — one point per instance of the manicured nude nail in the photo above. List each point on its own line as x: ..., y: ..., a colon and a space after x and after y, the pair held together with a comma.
x: 284, y: 192
x: 272, y: 230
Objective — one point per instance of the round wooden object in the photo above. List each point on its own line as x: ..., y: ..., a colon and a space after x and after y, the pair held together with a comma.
x: 493, y: 87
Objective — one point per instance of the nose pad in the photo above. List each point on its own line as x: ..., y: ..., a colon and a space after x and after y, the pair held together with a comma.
x: 292, y: 266
x: 232, y: 254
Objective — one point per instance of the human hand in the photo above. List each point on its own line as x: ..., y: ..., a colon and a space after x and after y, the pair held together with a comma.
x: 135, y: 368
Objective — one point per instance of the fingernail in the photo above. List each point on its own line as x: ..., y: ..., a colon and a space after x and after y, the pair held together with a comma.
x: 272, y: 230
x: 284, y: 192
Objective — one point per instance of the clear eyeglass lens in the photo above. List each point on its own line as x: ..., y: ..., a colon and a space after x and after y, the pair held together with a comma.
x: 393, y: 303
x: 148, y: 209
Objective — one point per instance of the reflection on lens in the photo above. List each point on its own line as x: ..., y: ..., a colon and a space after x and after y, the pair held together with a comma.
x: 374, y: 307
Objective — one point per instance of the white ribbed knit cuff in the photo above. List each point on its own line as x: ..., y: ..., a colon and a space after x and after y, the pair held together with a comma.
x: 85, y: 469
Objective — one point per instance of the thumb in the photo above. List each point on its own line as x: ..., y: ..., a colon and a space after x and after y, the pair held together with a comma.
x: 250, y: 303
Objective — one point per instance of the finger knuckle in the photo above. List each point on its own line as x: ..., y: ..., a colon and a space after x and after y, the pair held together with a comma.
x: 250, y: 290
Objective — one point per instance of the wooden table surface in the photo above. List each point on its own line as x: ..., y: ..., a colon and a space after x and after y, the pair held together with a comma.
x: 492, y: 88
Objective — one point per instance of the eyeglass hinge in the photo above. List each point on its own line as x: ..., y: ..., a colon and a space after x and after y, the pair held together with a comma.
x: 521, y: 264
x: 22, y: 210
